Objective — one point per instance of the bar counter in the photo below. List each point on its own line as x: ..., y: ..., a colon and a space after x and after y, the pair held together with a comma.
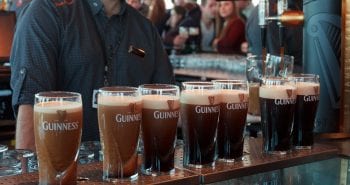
x: 254, y: 162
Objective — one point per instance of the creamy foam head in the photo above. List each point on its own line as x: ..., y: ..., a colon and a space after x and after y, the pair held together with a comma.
x: 53, y: 106
x: 308, y: 88
x: 160, y: 102
x: 277, y: 92
x: 118, y: 100
x: 200, y: 97
x: 233, y: 96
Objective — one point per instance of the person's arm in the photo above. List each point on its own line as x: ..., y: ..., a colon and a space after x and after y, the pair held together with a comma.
x: 33, y: 64
x: 169, y: 36
x: 25, y: 128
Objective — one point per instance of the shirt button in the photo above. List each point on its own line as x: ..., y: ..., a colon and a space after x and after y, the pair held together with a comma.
x: 21, y: 71
x: 95, y: 4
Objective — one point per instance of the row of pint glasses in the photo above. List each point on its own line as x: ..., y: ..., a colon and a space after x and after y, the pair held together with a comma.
x: 288, y: 109
x: 286, y: 102
x: 155, y: 108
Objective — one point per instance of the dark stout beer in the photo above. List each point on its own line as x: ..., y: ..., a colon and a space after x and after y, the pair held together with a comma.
x: 277, y: 110
x: 119, y: 119
x: 199, y: 114
x: 233, y: 113
x: 305, y: 113
x: 160, y: 114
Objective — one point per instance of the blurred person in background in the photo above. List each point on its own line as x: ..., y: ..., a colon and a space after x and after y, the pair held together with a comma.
x: 157, y: 14
x: 171, y: 37
x: 139, y: 5
x: 193, y: 14
x: 207, y: 24
x: 179, y: 2
x: 233, y: 32
x: 245, y: 8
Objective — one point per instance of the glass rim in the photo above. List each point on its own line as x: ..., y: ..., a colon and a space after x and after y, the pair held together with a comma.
x: 303, y: 75
x: 230, y: 81
x: 3, y: 148
x: 57, y: 94
x: 9, y: 162
x: 118, y: 89
x: 275, y: 80
x: 23, y: 152
x: 163, y: 87
x: 260, y: 57
x: 198, y: 83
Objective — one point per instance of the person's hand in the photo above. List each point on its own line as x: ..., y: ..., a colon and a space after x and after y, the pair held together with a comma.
x: 179, y: 40
x: 244, y: 47
x: 215, y: 43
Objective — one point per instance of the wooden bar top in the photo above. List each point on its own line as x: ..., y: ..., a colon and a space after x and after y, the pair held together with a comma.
x: 254, y: 162
x: 92, y: 174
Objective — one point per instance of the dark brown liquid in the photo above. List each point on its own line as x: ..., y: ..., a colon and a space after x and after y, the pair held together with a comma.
x: 57, y: 139
x: 119, y: 136
x: 304, y: 119
x: 254, y: 106
x: 277, y: 121
x: 159, y: 133
x: 199, y: 132
x: 230, y: 131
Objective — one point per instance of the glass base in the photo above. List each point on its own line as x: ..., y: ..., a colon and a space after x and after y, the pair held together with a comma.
x: 198, y: 166
x: 232, y: 160
x: 303, y: 147
x: 277, y: 152
x: 226, y: 160
x: 158, y: 173
x: 126, y: 179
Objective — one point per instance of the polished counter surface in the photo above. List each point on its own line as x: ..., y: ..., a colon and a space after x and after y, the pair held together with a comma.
x: 254, y: 162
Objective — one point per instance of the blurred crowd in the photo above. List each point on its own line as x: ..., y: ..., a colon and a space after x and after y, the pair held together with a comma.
x: 223, y: 26
x: 211, y: 26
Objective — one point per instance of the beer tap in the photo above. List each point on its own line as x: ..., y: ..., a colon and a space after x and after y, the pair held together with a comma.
x: 284, y: 18
x: 282, y: 5
x: 263, y: 14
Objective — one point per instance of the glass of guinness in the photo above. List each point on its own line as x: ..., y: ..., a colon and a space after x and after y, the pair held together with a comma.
x: 259, y: 67
x: 233, y: 95
x: 160, y: 114
x: 119, y: 119
x: 58, y: 122
x: 277, y: 102
x: 308, y: 95
x: 200, y: 107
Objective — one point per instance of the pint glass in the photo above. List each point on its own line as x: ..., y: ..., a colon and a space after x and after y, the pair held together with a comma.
x: 308, y: 95
x: 277, y: 101
x: 257, y: 69
x: 119, y: 119
x: 160, y: 114
x: 57, y: 130
x: 233, y: 95
x: 200, y: 107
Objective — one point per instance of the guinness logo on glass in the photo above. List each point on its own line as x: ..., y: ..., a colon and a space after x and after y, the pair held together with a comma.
x: 317, y: 89
x: 289, y: 92
x: 171, y: 104
x: 132, y: 107
x: 241, y: 97
x: 61, y: 115
x: 211, y: 100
